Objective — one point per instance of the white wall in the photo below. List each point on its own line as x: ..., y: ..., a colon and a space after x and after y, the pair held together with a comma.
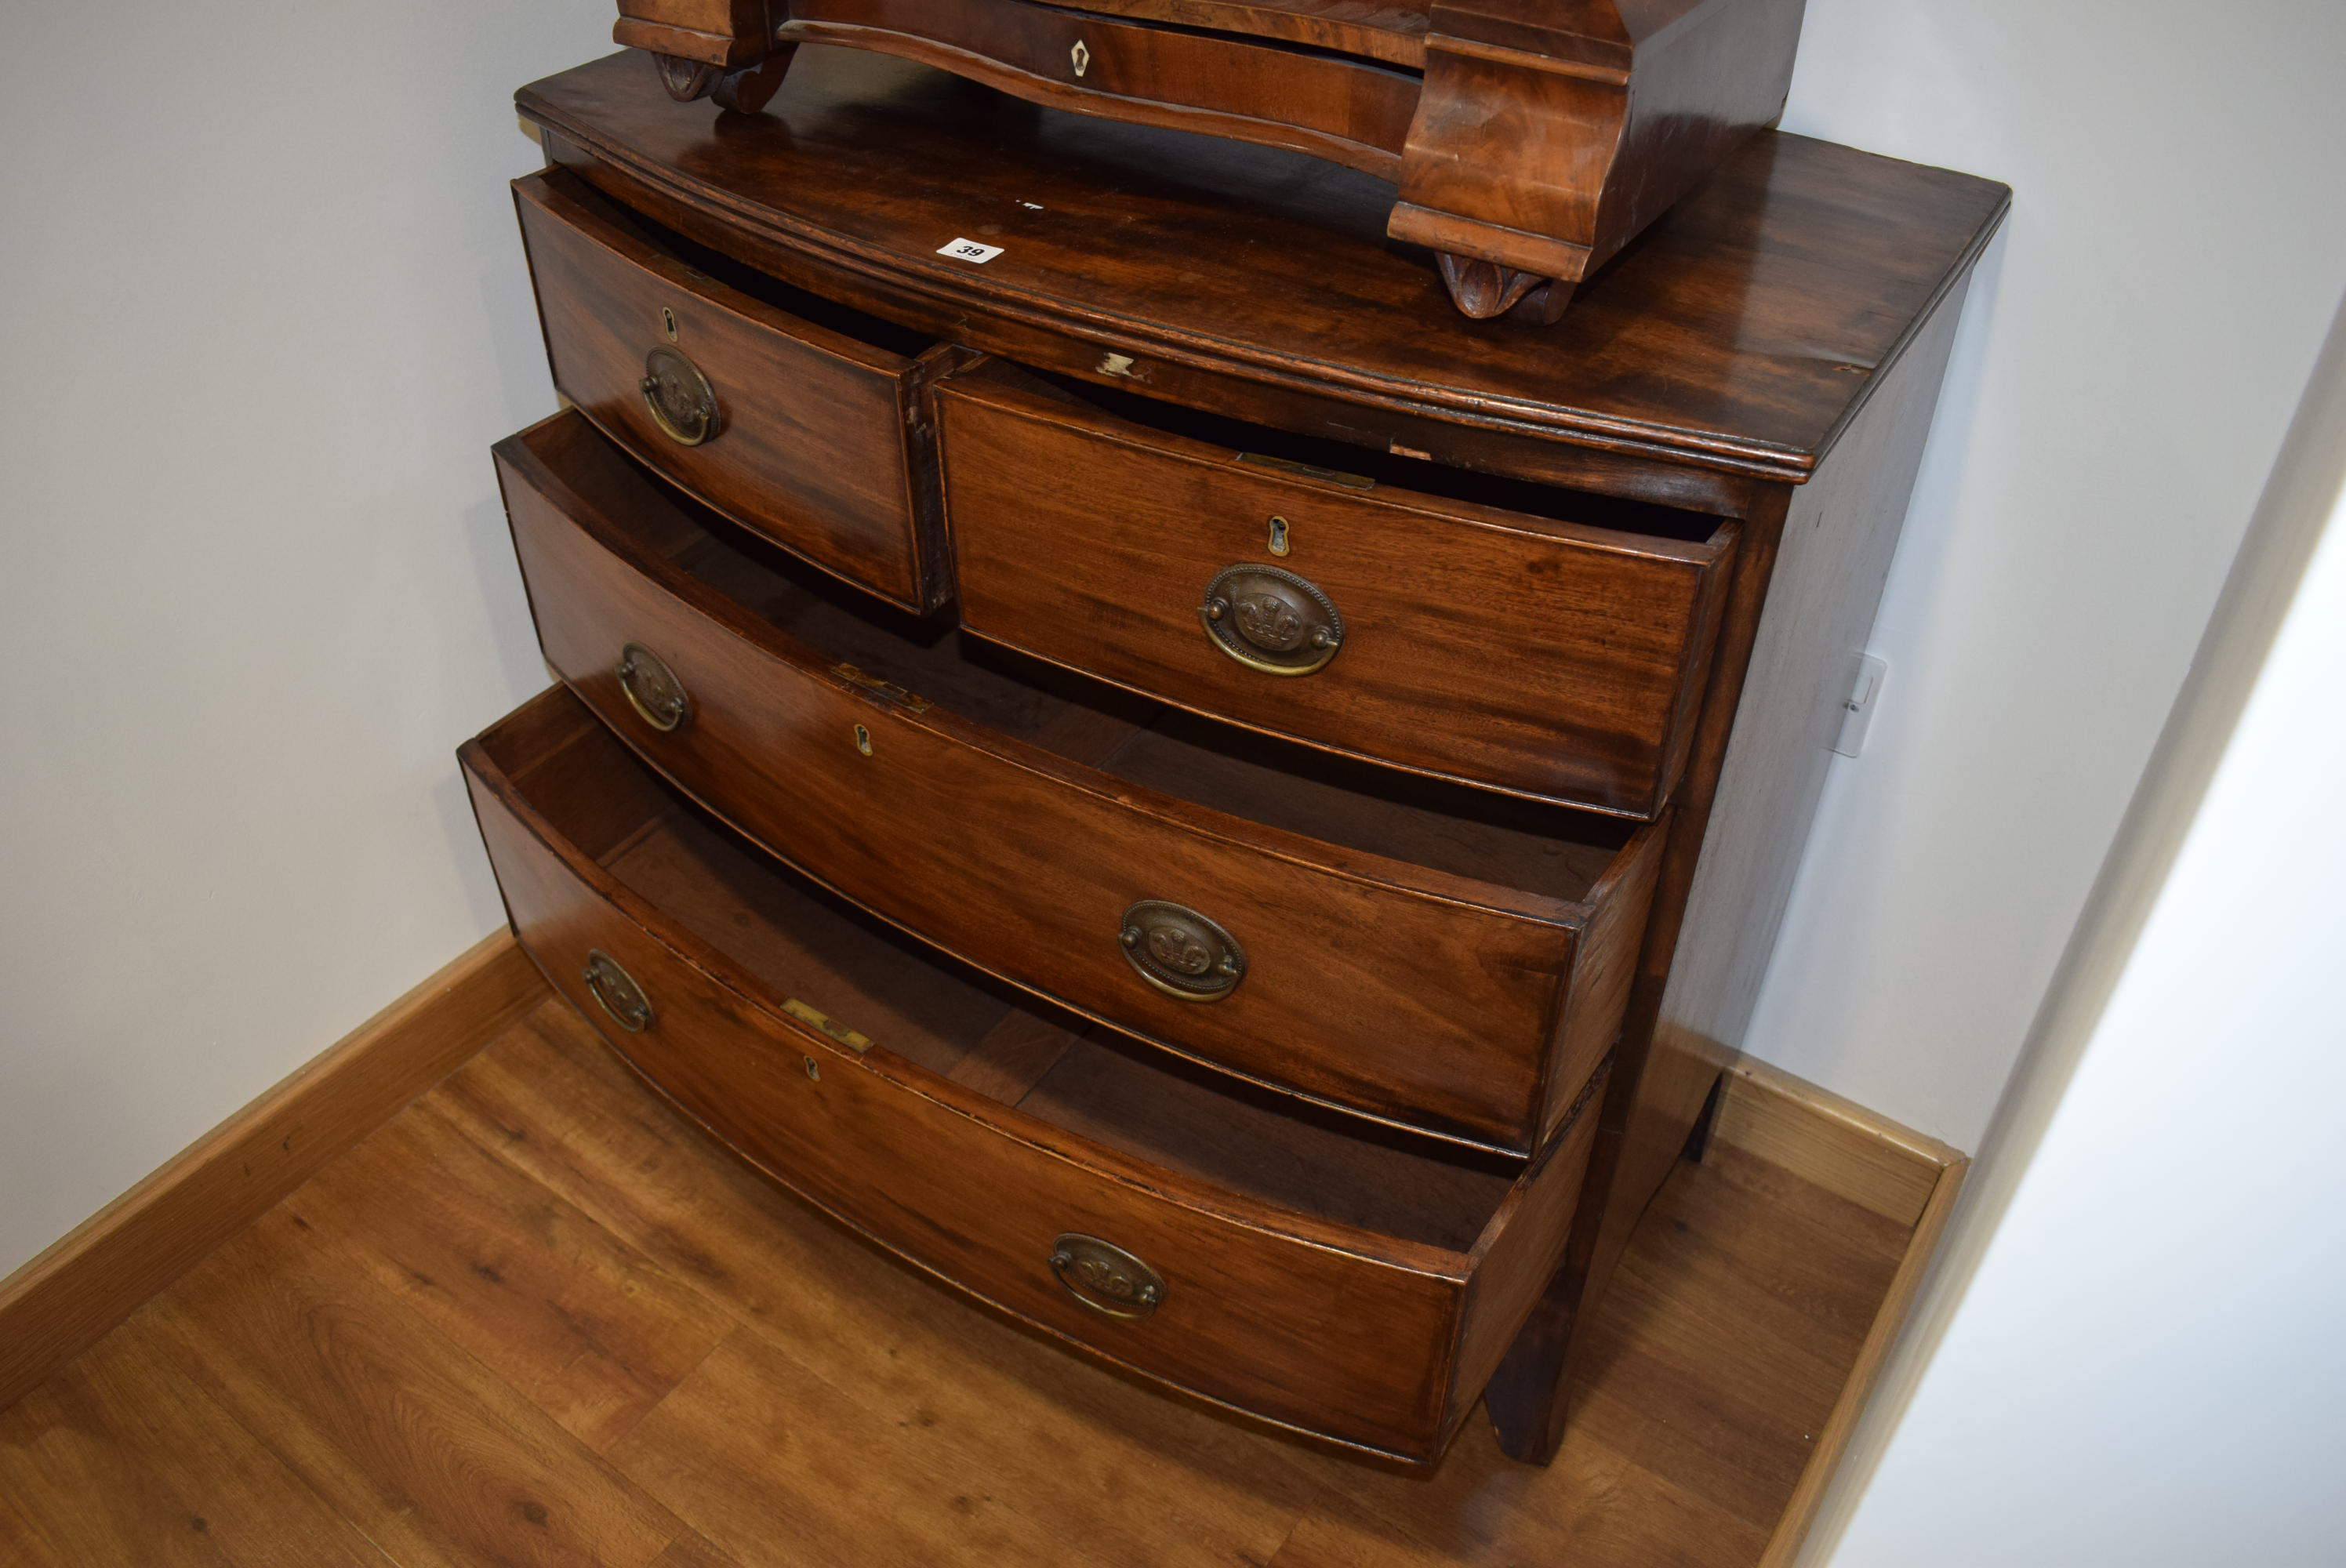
x: 264, y: 309
x: 267, y: 310
x: 2132, y: 353
x: 2133, y: 1355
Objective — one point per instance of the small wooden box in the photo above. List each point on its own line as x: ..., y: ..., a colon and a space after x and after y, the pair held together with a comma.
x: 1531, y: 140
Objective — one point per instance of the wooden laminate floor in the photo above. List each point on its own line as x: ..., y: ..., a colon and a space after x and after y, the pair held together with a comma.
x: 538, y: 1319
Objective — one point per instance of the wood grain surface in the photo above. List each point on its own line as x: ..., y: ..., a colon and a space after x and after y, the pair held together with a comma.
x: 815, y: 438
x: 1738, y: 336
x: 1870, y: 1161
x: 1390, y: 30
x: 1809, y: 573
x: 1414, y: 953
x: 69, y: 1296
x: 850, y: 1413
x: 1539, y: 656
x: 1354, y: 111
x: 1548, y: 138
x: 728, y: 32
x: 1703, y: 974
x: 1530, y: 143
x: 1310, y: 1275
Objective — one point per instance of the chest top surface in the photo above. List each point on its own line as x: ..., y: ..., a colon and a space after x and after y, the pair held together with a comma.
x: 1742, y: 331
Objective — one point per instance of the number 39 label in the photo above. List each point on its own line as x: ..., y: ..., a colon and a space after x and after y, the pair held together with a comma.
x: 969, y: 250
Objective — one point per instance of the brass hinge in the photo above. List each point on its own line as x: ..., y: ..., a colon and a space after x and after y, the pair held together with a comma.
x: 852, y: 1040
x: 1305, y: 471
x: 886, y: 690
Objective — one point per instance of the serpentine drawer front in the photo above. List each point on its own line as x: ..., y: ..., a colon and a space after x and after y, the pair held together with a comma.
x: 810, y: 434
x: 1544, y: 657
x: 1435, y: 956
x: 1351, y: 1288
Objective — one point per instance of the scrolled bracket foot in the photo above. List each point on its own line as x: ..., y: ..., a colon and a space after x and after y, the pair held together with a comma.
x: 1544, y: 306
x: 749, y: 89
x: 1483, y: 290
x: 687, y: 79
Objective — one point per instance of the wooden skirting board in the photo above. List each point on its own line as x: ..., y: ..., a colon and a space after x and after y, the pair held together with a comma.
x: 1872, y: 1162
x: 74, y: 1293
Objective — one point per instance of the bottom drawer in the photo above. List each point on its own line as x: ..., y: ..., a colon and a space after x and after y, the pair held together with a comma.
x: 1317, y: 1273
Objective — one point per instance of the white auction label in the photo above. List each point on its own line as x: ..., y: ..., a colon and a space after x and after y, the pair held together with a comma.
x: 969, y: 250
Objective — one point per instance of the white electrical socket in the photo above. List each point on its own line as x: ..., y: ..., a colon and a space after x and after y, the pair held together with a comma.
x: 1864, y: 696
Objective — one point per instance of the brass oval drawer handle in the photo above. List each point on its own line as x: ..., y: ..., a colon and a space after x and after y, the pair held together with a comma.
x: 617, y: 993
x: 1180, y: 952
x: 652, y: 688
x: 1105, y: 1278
x: 682, y: 402
x: 1270, y: 620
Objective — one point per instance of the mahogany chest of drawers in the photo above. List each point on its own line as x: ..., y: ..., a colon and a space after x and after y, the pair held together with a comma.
x: 1158, y: 773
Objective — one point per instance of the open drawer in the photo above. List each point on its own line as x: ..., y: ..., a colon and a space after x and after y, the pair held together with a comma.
x: 1306, y: 1269
x: 1471, y: 627
x: 797, y: 417
x: 1442, y: 957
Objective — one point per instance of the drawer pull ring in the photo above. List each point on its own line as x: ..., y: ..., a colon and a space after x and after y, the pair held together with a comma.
x: 617, y: 993
x: 1270, y: 620
x: 652, y: 688
x: 1105, y: 1278
x: 682, y: 402
x: 1180, y: 952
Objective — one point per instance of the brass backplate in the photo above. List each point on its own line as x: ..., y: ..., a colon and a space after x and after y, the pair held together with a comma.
x: 682, y: 402
x: 1180, y: 952
x: 617, y: 993
x: 652, y: 688
x: 1105, y: 1278
x: 1270, y: 620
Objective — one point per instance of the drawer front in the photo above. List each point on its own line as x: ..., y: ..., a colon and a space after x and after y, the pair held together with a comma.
x: 1546, y: 660
x: 1410, y: 1007
x: 1351, y: 1347
x: 1348, y: 110
x: 813, y: 438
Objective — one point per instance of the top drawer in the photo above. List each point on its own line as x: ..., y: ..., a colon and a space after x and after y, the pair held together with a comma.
x: 1452, y: 637
x: 809, y: 431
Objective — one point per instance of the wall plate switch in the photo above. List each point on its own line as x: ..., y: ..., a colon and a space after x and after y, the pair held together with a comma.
x: 1864, y: 696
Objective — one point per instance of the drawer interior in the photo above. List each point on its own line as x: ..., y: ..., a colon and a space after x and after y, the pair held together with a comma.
x: 801, y: 943
x: 846, y: 321
x: 1382, y: 469
x: 1502, y: 840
